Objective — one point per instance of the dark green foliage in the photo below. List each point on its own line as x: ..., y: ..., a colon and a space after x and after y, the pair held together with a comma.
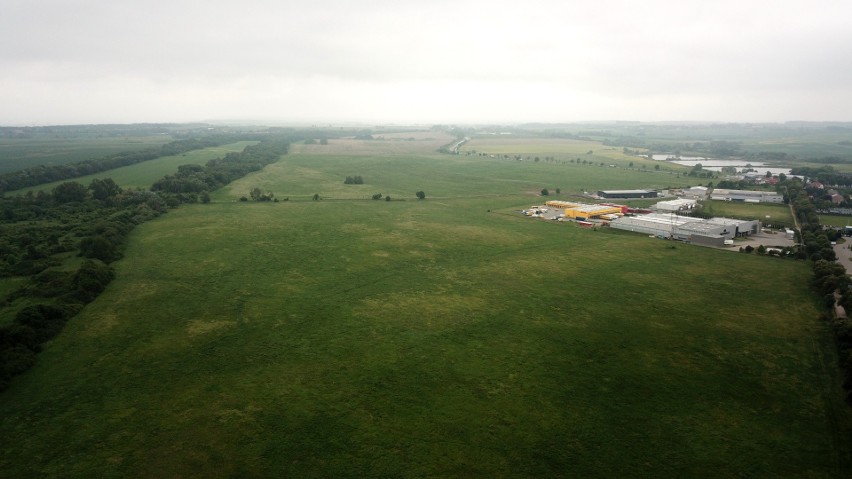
x: 92, y: 278
x: 316, y: 197
x: 98, y: 247
x: 14, y: 360
x: 70, y: 192
x: 353, y: 180
x: 104, y: 189
x: 377, y: 196
x: 544, y: 192
x: 45, y: 320
x: 420, y: 195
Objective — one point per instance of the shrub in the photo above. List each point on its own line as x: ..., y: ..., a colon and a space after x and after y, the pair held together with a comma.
x: 91, y: 279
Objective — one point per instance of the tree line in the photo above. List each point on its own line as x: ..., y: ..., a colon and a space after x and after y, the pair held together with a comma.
x: 192, y: 180
x: 91, y: 221
x: 830, y: 280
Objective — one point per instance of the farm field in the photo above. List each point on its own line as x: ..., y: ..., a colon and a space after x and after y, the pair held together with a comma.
x: 143, y: 175
x: 20, y: 153
x: 563, y: 150
x: 445, y: 337
x: 388, y: 169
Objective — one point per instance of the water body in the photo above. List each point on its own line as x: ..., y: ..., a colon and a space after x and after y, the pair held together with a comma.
x: 716, y: 165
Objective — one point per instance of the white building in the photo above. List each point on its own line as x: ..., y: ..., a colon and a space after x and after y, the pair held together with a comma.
x: 711, y: 232
x: 747, y: 196
x: 676, y: 205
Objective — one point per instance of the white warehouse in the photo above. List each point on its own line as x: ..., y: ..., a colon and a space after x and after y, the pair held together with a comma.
x: 712, y: 232
x: 747, y: 196
x: 676, y: 205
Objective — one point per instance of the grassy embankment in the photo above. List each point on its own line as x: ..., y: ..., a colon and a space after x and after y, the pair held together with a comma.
x: 423, y: 338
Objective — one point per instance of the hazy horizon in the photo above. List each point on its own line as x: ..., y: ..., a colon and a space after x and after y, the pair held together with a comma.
x: 416, y: 62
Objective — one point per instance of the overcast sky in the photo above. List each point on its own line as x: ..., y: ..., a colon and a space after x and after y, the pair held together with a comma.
x: 435, y: 61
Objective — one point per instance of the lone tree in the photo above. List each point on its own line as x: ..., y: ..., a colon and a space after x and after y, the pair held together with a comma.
x: 420, y: 195
x: 544, y: 192
x: 316, y: 196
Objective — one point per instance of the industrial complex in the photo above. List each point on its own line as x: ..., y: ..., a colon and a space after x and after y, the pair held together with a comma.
x: 661, y: 221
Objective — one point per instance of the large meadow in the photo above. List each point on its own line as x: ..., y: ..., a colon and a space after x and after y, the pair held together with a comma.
x: 444, y: 337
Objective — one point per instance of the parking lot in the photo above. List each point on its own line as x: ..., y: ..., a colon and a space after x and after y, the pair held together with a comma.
x: 768, y: 240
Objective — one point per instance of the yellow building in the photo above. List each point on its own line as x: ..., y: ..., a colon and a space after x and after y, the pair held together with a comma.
x: 561, y: 204
x: 591, y: 211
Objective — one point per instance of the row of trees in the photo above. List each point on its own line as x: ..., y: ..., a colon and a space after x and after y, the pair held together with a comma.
x: 191, y: 180
x: 353, y: 180
x: 830, y: 280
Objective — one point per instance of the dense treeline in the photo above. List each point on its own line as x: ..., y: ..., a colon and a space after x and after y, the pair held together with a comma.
x: 192, y: 180
x: 41, y: 174
x: 824, y: 174
x: 830, y: 280
x: 39, y: 231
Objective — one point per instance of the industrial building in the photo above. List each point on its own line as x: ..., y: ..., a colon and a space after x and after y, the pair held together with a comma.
x: 697, y: 192
x: 627, y: 194
x: 676, y: 205
x: 711, y: 232
x: 561, y: 204
x: 582, y: 211
x: 747, y: 196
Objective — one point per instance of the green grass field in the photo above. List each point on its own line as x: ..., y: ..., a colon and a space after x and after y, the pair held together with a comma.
x: 767, y: 213
x: 835, y: 220
x: 435, y: 338
x: 389, y: 170
x: 143, y: 175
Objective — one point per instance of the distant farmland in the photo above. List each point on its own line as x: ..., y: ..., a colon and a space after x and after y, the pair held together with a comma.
x: 143, y: 175
x: 17, y: 154
x: 450, y: 336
